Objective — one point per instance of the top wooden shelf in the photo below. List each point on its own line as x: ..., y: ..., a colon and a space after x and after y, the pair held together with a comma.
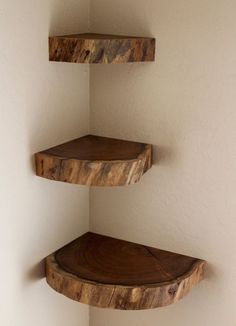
x: 111, y: 273
x: 101, y: 48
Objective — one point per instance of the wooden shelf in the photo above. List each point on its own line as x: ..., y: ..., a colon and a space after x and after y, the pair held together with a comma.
x: 99, y: 48
x: 111, y: 273
x: 95, y: 161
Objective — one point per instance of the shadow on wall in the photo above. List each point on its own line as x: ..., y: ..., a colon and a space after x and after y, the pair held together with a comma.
x: 59, y: 13
x: 134, y: 21
x: 163, y: 155
x: 210, y: 272
x: 36, y: 273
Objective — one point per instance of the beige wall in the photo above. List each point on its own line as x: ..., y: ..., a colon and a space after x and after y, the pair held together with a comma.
x: 185, y: 105
x: 41, y: 104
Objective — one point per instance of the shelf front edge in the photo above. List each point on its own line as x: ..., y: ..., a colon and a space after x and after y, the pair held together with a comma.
x: 118, y: 296
x: 101, y: 50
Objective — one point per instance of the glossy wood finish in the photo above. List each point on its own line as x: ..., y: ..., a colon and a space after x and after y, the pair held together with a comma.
x: 99, y: 48
x: 95, y: 161
x: 111, y: 273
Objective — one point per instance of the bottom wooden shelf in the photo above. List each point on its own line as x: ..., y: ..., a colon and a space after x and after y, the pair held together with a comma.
x: 111, y: 273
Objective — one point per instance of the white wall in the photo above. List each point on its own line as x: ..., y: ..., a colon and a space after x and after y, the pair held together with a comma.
x: 184, y: 104
x: 41, y: 105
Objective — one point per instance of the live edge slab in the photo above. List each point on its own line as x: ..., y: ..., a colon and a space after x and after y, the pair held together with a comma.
x: 100, y: 48
x: 95, y: 161
x: 111, y: 273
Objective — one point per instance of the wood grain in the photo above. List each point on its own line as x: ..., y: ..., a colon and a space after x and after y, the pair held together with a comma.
x: 95, y: 161
x: 99, y: 48
x: 111, y: 273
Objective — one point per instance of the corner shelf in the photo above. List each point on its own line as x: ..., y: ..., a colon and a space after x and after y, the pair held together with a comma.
x: 95, y: 161
x: 111, y: 273
x: 94, y: 269
x: 100, y: 48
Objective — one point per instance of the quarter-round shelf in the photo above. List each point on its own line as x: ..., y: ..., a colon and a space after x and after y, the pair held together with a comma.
x: 95, y: 161
x: 111, y: 273
x: 100, y: 48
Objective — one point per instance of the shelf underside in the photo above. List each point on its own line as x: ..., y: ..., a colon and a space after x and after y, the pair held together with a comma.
x: 100, y: 48
x: 111, y: 273
x: 95, y: 161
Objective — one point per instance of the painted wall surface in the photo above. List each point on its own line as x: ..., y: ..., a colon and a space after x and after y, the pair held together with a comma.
x: 41, y: 105
x: 184, y: 104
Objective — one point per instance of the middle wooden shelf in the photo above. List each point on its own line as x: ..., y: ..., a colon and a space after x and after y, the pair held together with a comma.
x: 95, y: 161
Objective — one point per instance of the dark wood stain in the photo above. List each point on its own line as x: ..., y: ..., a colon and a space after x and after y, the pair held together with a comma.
x: 94, y: 160
x: 111, y: 261
x: 111, y: 273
